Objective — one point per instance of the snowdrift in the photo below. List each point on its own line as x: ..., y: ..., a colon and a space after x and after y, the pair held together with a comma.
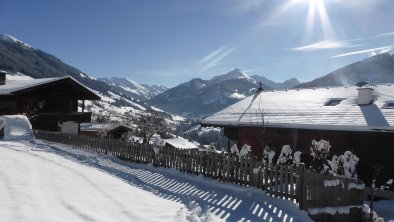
x: 15, y: 127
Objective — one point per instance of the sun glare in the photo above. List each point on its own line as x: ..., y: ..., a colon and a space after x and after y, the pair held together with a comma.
x: 316, y: 16
x: 319, y: 7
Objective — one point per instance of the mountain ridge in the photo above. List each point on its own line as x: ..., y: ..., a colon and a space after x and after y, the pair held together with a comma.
x: 199, y: 97
x: 375, y: 69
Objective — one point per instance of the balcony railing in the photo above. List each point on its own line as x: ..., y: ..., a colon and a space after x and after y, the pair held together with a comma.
x: 80, y: 117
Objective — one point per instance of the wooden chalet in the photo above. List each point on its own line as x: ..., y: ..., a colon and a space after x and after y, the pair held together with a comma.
x: 110, y: 130
x: 120, y: 132
x: 359, y: 119
x: 94, y: 129
x: 49, y: 103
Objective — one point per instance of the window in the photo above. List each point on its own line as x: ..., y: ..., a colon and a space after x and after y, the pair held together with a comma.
x: 333, y: 102
x: 389, y: 105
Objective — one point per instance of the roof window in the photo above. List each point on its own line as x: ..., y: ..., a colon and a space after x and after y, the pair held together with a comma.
x: 333, y: 102
x: 389, y: 105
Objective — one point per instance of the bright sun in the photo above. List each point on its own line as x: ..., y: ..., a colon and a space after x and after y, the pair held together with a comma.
x: 318, y: 6
x: 316, y: 11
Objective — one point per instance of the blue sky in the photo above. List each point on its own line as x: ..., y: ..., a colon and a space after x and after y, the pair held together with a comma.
x: 171, y: 41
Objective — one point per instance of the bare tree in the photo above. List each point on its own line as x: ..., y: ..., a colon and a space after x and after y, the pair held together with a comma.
x: 377, y: 180
x: 263, y: 136
x: 152, y: 123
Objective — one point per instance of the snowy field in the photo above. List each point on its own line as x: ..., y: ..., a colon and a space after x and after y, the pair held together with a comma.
x: 385, y: 209
x: 51, y: 182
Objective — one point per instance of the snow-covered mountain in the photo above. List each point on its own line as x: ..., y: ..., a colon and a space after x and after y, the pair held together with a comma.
x: 237, y: 73
x: 133, y: 89
x: 375, y: 69
x: 155, y: 89
x: 198, y: 97
x: 288, y: 84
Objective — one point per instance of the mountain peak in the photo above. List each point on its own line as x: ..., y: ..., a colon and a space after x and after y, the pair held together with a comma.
x: 9, y: 38
x: 288, y: 84
x: 293, y: 81
x: 236, y: 73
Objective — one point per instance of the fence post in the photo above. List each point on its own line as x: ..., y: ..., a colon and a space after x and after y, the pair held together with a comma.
x: 302, y: 188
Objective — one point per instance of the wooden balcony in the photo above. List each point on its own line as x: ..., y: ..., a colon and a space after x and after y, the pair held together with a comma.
x: 80, y: 117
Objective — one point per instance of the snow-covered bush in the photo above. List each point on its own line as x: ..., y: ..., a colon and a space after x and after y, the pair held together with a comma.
x: 158, y: 143
x: 234, y: 150
x: 388, y: 185
x: 297, y: 158
x: 320, y: 152
x: 347, y: 165
x: 245, y: 150
x: 268, y: 155
x: 211, y: 148
x: 285, y: 157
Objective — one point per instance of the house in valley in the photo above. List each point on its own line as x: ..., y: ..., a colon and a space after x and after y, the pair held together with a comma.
x: 49, y: 103
x: 95, y: 129
x: 110, y: 130
x: 121, y: 131
x: 355, y: 118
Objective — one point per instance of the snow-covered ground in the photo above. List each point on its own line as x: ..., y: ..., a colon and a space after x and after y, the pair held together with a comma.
x: 50, y: 182
x: 385, y: 209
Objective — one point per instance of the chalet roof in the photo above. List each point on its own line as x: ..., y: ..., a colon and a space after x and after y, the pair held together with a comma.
x: 181, y: 143
x: 15, y: 87
x: 110, y: 127
x: 308, y: 109
x: 95, y: 126
x: 121, y: 127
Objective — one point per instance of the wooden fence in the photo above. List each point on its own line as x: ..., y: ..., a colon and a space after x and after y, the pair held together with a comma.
x: 289, y: 182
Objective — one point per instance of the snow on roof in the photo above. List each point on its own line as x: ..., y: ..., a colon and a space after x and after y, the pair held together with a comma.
x: 12, y: 86
x: 17, y: 76
x: 95, y: 126
x: 121, y: 126
x: 181, y: 143
x: 306, y: 109
x: 104, y: 126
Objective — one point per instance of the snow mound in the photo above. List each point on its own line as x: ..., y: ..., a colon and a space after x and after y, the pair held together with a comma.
x: 15, y: 127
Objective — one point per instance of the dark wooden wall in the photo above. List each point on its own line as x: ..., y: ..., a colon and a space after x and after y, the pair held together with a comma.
x: 373, y: 148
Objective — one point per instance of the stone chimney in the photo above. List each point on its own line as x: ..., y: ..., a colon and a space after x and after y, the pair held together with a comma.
x: 3, y: 75
x: 365, y: 95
